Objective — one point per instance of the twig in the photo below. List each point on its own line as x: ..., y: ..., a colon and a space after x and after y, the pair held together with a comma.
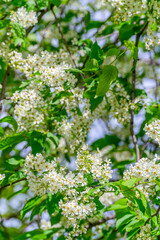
x: 65, y: 42
x: 39, y: 18
x: 155, y: 77
x: 101, y: 221
x: 125, y: 236
x: 143, y: 149
x: 5, y: 229
x: 154, y: 215
x: 63, y: 7
x: 7, y: 185
x: 133, y: 94
x: 4, y: 83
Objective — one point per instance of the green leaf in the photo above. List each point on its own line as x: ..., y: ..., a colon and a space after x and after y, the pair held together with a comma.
x: 4, y: 23
x: 95, y: 102
x: 57, y: 3
x: 38, y: 209
x: 38, y: 234
x: 126, y: 31
x: 16, y: 176
x: 125, y: 219
x: 145, y: 204
x: 129, y: 194
x: 91, y: 65
x: 112, y: 52
x: 52, y: 202
x: 13, y: 161
x: 74, y: 70
x: 107, y: 140
x: 11, y: 140
x: 118, y: 205
x: 18, y: 33
x: 90, y: 179
x: 93, y: 24
x: 108, y: 75
x: 96, y: 52
x: 18, y: 3
x: 29, y: 205
x: 1, y: 132
x: 131, y: 234
x: 130, y: 182
x: 62, y: 237
x: 53, y: 138
x: 53, y: 207
x: 42, y: 4
x: 135, y: 223
x: 23, y: 190
x: 37, y: 140
x: 24, y: 84
x: 99, y: 205
x: 10, y: 120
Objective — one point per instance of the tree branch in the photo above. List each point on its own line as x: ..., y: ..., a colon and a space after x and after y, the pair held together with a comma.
x: 65, y: 42
x: 143, y: 149
x: 154, y: 215
x: 5, y: 230
x: 39, y: 18
x: 4, y: 83
x: 7, y: 185
x: 133, y: 94
x: 155, y: 76
x: 101, y: 221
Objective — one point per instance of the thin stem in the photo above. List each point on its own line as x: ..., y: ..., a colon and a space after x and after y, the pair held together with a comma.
x: 154, y: 215
x: 133, y: 94
x: 143, y: 149
x: 155, y: 77
x: 39, y: 18
x: 5, y: 230
x: 101, y: 221
x: 7, y: 185
x: 125, y: 236
x: 64, y: 40
x: 4, y: 83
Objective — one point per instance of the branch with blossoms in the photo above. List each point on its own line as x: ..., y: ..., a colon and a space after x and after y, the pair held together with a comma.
x: 75, y: 89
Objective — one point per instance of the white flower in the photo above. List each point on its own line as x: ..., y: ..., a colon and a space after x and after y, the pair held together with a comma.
x: 24, y: 18
x: 2, y: 176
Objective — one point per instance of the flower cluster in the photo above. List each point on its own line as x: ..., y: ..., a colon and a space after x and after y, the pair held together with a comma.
x: 24, y: 18
x: 153, y: 130
x: 75, y: 211
x: 119, y: 102
x: 4, y: 51
x: 48, y: 69
x: 45, y: 224
x: 147, y: 170
x: 93, y: 164
x: 48, y: 176
x: 126, y: 9
x: 80, y: 121
x: 29, y: 108
x: 109, y: 198
x: 145, y: 233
